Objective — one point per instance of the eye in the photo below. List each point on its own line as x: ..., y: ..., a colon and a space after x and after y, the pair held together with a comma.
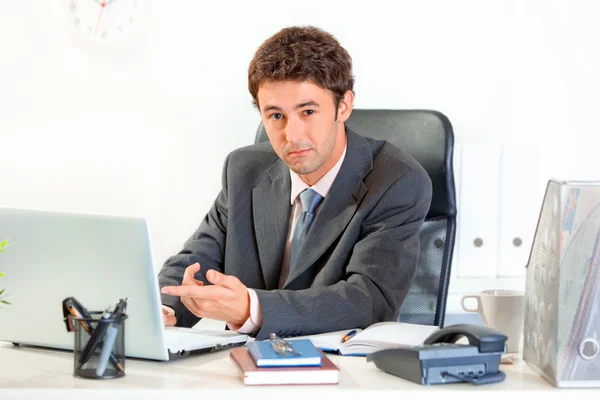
x: 309, y: 112
x: 276, y: 116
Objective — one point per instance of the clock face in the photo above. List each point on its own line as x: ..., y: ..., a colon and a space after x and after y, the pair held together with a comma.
x: 106, y: 21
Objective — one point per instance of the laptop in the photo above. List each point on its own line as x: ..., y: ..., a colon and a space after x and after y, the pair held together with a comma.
x: 98, y: 260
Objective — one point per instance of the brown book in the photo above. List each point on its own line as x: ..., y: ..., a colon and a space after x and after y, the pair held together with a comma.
x: 327, y: 373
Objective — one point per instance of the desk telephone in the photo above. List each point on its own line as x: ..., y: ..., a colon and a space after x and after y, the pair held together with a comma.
x: 441, y: 360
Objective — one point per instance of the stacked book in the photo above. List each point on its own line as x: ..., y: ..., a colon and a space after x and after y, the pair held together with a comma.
x: 260, y: 364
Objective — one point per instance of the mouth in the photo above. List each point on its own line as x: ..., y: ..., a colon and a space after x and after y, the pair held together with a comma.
x: 299, y: 153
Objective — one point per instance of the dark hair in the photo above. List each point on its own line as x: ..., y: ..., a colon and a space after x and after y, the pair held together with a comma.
x: 302, y: 53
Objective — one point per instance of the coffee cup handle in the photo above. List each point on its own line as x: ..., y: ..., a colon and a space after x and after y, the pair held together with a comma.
x: 478, y: 309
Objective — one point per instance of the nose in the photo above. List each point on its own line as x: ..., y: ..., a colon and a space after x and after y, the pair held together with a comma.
x: 293, y: 130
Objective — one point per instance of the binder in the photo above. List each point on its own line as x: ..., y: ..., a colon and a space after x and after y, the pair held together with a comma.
x: 521, y: 193
x: 479, y: 211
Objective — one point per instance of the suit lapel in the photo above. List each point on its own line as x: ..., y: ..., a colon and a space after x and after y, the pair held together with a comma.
x: 339, y: 206
x: 271, y: 213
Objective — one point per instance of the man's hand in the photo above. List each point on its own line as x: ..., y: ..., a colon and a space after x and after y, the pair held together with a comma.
x: 226, y: 299
x: 168, y: 318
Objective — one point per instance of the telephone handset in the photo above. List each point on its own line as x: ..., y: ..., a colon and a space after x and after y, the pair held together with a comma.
x: 486, y: 339
x: 441, y: 360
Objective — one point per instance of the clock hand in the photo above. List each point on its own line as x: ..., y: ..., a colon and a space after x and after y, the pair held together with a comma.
x: 102, y: 5
x: 109, y: 2
x: 99, y: 2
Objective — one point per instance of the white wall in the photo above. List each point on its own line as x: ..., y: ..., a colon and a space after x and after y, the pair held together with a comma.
x: 143, y: 128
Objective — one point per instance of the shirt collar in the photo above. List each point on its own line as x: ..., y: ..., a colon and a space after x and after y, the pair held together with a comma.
x: 322, y: 186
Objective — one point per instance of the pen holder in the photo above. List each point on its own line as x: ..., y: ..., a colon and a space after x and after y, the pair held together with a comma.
x: 99, y: 351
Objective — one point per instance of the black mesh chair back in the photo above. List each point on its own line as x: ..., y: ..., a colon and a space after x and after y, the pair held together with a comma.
x: 428, y: 137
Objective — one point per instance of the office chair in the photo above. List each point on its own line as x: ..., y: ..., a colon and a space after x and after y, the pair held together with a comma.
x: 428, y: 137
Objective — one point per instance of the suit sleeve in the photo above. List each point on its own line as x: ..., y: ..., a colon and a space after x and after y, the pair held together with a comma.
x: 378, y: 274
x: 206, y: 246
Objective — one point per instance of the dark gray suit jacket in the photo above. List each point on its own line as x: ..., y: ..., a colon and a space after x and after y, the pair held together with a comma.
x: 360, y: 254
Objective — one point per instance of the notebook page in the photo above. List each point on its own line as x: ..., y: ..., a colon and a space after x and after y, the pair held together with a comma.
x: 329, y: 341
x: 392, y: 333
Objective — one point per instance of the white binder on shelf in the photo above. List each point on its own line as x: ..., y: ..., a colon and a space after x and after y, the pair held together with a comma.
x: 479, y: 208
x: 521, y: 194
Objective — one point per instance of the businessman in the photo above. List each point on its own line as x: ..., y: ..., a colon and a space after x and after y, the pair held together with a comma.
x: 316, y: 230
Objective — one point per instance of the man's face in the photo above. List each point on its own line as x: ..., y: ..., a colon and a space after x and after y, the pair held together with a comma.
x: 299, y: 118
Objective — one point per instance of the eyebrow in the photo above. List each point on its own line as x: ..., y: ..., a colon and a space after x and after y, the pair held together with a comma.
x: 297, y: 107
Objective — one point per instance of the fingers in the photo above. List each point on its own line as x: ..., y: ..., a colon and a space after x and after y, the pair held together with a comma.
x: 188, y: 275
x: 169, y: 319
x: 196, y: 292
x: 197, y: 307
x: 179, y: 290
x: 222, y: 299
x: 205, y: 308
x: 215, y: 301
x: 217, y: 278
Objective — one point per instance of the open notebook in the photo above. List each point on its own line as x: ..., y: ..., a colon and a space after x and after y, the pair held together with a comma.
x: 379, y: 336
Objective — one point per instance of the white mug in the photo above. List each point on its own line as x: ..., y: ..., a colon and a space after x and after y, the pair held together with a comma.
x: 502, y: 310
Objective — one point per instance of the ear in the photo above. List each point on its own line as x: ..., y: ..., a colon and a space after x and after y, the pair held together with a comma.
x: 345, y: 107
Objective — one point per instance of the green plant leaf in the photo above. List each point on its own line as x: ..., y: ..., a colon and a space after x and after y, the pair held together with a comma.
x: 6, y: 302
x: 2, y: 291
x: 1, y: 274
x: 4, y: 243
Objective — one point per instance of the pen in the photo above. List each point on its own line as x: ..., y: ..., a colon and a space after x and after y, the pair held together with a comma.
x: 95, y: 340
x: 74, y: 312
x: 110, y: 338
x: 348, y: 336
x: 109, y: 341
x: 120, y: 308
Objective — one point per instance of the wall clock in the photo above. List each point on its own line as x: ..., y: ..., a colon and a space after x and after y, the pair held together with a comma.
x: 108, y: 21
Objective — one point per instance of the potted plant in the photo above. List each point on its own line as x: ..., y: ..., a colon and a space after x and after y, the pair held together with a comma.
x: 2, y: 294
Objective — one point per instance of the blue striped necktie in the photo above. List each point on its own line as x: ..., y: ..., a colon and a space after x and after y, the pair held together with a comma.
x: 310, y: 200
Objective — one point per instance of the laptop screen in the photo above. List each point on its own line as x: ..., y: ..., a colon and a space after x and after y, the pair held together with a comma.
x: 96, y: 259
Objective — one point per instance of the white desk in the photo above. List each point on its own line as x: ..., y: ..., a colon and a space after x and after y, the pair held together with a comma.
x: 29, y: 373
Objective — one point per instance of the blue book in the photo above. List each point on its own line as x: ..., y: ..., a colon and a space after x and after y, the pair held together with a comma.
x: 264, y: 356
